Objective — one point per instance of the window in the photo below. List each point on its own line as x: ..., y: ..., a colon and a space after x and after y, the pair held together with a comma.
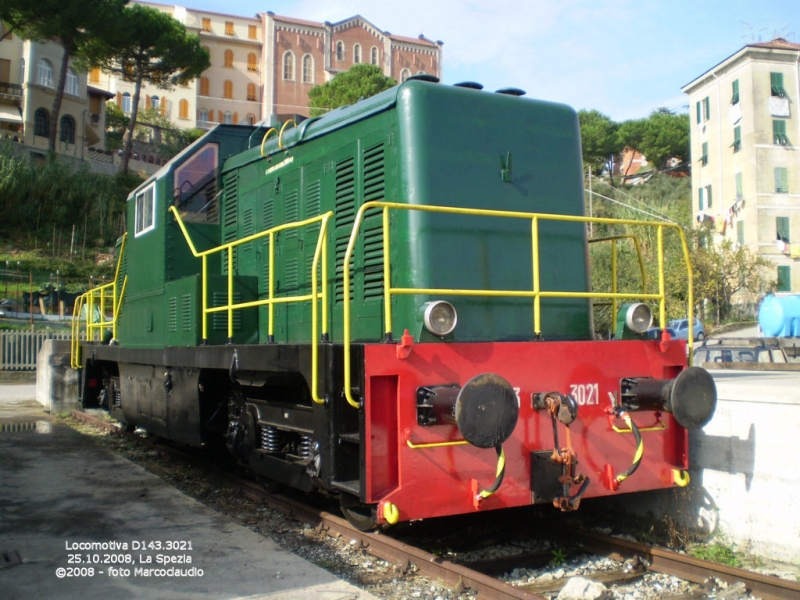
x: 250, y: 119
x: 145, y: 210
x: 308, y: 69
x: 22, y: 70
x: 44, y: 73
x: 227, y: 89
x: 784, y: 279
x: 701, y: 203
x: 204, y: 86
x: 373, y: 56
x: 251, y: 92
x: 288, y: 66
x: 228, y: 59
x: 357, y: 53
x: 779, y: 132
x: 739, y: 188
x: 202, y: 115
x: 704, y: 155
x: 206, y: 24
x: 228, y: 27
x: 404, y: 74
x: 94, y: 75
x: 67, y: 129
x: 252, y: 62
x: 740, y: 232
x: 737, y: 139
x: 41, y: 123
x: 183, y: 109
x: 252, y: 32
x: 227, y: 118
x: 776, y: 84
x: 340, y: 51
x: 735, y: 92
x: 72, y: 87
x: 126, y: 103
x: 781, y: 180
x: 782, y: 229
x: 207, y: 49
x: 155, y: 102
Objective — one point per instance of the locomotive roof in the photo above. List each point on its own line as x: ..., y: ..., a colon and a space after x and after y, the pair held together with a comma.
x: 315, y: 127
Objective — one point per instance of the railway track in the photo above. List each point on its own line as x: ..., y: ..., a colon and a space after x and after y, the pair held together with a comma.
x: 479, y: 575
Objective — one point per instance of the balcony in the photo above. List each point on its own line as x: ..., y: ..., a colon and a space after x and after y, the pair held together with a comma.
x: 10, y: 91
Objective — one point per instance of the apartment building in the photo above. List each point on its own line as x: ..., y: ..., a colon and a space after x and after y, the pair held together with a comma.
x: 29, y: 74
x: 263, y: 66
x: 745, y: 148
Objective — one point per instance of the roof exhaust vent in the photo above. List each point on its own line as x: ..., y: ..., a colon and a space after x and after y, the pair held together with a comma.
x: 511, y: 91
x: 469, y: 84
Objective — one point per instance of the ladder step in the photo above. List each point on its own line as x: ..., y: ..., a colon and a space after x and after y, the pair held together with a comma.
x: 353, y: 438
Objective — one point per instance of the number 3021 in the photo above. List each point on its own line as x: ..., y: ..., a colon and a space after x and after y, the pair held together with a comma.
x: 585, y: 393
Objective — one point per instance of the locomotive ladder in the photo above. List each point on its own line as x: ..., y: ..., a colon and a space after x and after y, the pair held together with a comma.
x: 99, y: 309
x: 536, y: 294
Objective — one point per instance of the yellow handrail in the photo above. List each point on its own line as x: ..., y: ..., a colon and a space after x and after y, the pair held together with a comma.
x: 535, y: 294
x: 320, y: 254
x: 96, y: 322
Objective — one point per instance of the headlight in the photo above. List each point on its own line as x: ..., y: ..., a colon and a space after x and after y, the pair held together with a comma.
x: 638, y: 317
x: 440, y: 317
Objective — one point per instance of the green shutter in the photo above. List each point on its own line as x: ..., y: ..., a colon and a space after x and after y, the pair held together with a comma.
x: 784, y: 279
x: 782, y: 227
x: 706, y: 108
x: 735, y: 95
x: 708, y: 195
x: 739, y: 186
x: 779, y: 132
x: 700, y: 202
x: 776, y: 84
x: 740, y: 232
x: 781, y: 180
x: 737, y: 139
x: 699, y: 119
x: 704, y: 156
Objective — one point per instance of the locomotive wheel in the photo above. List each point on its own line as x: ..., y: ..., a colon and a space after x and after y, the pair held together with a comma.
x: 360, y: 516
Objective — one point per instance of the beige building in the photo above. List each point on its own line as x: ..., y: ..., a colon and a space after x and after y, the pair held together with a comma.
x: 29, y: 74
x: 745, y: 148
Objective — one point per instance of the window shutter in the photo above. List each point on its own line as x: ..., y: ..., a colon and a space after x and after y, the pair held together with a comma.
x: 147, y: 102
x: 708, y: 195
x: 735, y: 96
x: 699, y: 120
x: 236, y: 118
x: 784, y: 279
x: 700, y: 203
x: 119, y: 99
x: 782, y: 227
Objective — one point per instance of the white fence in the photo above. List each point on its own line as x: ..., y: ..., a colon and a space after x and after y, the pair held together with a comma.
x: 18, y: 349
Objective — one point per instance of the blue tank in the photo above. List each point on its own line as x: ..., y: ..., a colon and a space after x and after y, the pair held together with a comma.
x: 779, y: 316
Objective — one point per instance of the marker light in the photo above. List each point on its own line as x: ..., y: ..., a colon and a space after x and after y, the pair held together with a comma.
x: 440, y: 317
x: 638, y: 317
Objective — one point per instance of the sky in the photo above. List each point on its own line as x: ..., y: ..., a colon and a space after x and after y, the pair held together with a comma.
x: 624, y: 58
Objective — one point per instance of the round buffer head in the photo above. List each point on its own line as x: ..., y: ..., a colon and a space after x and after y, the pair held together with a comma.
x: 486, y: 410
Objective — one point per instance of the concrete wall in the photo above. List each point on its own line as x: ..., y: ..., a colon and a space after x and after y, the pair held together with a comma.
x: 56, y: 380
x: 745, y: 467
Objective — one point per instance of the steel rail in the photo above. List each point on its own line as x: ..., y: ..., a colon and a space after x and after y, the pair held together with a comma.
x: 687, y: 567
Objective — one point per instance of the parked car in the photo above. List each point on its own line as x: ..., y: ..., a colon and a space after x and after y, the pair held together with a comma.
x: 654, y: 333
x: 681, y: 327
x: 727, y: 350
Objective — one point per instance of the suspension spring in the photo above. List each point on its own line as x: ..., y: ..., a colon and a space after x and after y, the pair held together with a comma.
x: 271, y: 439
x: 305, y: 447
